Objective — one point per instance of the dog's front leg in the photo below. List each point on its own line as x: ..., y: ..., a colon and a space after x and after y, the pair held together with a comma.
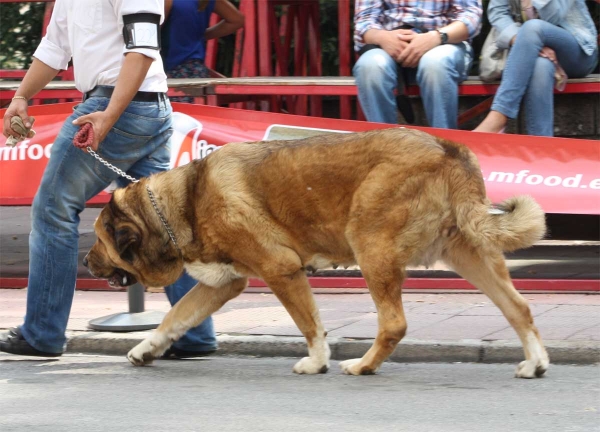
x: 295, y: 294
x: 199, y: 303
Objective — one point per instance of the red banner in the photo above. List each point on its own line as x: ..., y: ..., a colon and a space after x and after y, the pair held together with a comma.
x: 562, y: 174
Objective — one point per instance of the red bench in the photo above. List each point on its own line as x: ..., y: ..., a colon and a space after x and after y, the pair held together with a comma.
x: 346, y: 86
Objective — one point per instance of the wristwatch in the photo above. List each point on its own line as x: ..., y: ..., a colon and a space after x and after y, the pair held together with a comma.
x: 443, y: 36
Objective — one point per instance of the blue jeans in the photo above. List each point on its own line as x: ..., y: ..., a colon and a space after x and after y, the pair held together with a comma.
x: 139, y: 144
x: 529, y: 78
x: 438, y: 74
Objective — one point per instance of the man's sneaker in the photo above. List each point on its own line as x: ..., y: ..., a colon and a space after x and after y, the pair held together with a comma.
x: 177, y: 353
x: 15, y: 343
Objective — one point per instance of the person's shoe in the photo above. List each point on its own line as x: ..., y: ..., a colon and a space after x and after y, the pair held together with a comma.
x: 15, y: 343
x: 177, y: 353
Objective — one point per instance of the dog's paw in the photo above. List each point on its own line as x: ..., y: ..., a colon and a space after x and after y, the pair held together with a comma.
x: 532, y: 368
x: 310, y: 366
x: 141, y: 354
x: 355, y: 367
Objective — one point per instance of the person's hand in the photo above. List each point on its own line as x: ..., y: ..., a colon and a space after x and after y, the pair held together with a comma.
x: 418, y: 44
x: 391, y: 42
x: 17, y: 108
x: 101, y: 124
x: 549, y: 54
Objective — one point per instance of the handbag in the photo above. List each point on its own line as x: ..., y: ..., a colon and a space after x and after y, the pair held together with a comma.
x: 493, y: 59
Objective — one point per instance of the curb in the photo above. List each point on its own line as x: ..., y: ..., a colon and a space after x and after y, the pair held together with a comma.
x: 409, y: 350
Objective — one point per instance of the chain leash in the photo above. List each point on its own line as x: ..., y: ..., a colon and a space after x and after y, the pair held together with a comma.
x: 111, y: 166
x: 150, y: 193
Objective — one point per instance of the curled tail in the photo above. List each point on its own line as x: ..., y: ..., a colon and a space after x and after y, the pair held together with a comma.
x: 516, y: 223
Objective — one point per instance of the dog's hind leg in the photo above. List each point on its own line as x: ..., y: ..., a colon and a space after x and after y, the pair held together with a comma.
x: 294, y: 292
x: 490, y: 275
x: 199, y: 303
x: 384, y: 276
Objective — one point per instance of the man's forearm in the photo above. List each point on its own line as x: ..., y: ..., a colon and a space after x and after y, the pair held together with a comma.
x: 457, y: 32
x: 132, y: 75
x: 38, y: 75
x: 372, y: 36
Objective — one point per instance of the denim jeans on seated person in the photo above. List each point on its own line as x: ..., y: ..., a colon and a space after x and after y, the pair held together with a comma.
x: 530, y: 78
x: 139, y: 144
x: 438, y: 75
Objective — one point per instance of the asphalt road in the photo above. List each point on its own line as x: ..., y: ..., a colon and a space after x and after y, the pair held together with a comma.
x: 100, y: 393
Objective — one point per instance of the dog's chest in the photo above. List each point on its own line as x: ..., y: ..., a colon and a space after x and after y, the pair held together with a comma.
x: 212, y: 274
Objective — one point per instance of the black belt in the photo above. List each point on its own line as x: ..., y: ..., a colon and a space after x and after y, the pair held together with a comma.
x: 141, y: 96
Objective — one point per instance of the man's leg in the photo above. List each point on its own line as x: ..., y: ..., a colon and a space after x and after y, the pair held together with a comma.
x: 200, y: 339
x: 69, y: 180
x: 376, y: 77
x: 439, y: 72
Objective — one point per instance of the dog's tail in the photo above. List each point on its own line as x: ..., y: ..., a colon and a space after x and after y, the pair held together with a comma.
x: 516, y: 223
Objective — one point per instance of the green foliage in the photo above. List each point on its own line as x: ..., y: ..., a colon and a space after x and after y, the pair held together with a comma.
x: 20, y: 33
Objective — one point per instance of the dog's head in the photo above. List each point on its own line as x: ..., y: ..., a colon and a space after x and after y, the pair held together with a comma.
x: 131, y: 244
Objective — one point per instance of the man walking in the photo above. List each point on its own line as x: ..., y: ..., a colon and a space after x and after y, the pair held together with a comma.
x: 114, y: 45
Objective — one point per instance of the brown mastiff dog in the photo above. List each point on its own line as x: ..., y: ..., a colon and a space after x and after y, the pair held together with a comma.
x: 382, y: 199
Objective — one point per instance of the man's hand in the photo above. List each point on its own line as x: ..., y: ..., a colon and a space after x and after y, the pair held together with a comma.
x: 17, y: 108
x: 101, y: 124
x: 418, y: 44
x: 392, y: 43
x: 388, y: 40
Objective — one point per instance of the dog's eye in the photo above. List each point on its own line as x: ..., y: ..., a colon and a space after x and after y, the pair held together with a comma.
x: 109, y: 228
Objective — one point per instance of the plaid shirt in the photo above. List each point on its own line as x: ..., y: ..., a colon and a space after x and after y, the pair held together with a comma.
x: 421, y: 14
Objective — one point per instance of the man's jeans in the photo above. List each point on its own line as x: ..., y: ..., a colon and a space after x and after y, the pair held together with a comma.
x: 438, y: 74
x: 529, y: 76
x: 139, y: 144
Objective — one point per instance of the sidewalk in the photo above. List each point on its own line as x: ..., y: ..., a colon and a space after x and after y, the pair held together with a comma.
x: 441, y: 327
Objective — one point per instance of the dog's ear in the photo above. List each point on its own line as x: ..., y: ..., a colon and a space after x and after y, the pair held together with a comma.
x: 126, y: 241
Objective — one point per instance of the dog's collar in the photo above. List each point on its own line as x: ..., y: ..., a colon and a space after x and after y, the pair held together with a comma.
x: 162, y: 218
x: 150, y: 195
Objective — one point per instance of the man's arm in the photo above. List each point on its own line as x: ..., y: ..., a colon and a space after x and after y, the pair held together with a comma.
x: 36, y: 78
x: 419, y: 44
x: 136, y: 63
x: 465, y: 23
x: 51, y: 56
x: 367, y: 18
x: 132, y: 75
x: 368, y: 29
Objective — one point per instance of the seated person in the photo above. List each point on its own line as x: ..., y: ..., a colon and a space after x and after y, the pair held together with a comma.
x: 557, y: 40
x: 430, y: 44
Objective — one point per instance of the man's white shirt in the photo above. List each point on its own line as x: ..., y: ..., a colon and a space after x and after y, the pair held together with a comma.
x: 91, y: 33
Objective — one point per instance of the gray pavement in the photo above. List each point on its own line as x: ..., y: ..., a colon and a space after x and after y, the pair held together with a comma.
x: 101, y: 393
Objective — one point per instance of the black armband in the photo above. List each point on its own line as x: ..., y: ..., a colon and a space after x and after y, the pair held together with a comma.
x: 141, y: 30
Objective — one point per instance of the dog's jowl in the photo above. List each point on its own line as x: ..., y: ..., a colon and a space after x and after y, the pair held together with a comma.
x: 381, y: 199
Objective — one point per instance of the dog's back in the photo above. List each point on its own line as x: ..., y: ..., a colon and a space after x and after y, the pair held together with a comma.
x: 398, y: 181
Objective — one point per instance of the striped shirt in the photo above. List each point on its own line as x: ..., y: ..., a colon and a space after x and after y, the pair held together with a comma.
x: 421, y: 14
